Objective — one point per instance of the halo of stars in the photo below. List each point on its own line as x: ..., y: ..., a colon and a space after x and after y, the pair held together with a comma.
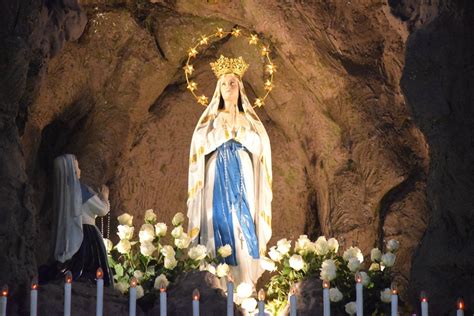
x: 252, y: 39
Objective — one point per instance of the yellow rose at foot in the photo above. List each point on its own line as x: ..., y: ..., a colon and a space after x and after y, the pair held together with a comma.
x: 125, y: 219
x: 124, y: 246
x: 150, y: 216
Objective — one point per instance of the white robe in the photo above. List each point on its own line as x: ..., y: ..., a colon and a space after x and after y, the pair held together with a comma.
x: 208, y: 135
x: 248, y: 269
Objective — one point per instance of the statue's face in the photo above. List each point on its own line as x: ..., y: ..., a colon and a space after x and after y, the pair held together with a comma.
x: 76, y: 167
x: 230, y: 88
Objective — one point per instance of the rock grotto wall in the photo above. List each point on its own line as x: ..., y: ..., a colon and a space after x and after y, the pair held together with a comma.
x: 359, y: 150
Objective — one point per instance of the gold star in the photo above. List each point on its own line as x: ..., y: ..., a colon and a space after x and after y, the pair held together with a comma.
x: 204, y: 40
x: 271, y: 68
x: 192, y: 86
x: 253, y: 39
x: 258, y: 102
x: 192, y: 52
x: 188, y: 69
x: 268, y: 85
x: 236, y: 32
x: 203, y: 100
x: 265, y: 51
x: 220, y: 32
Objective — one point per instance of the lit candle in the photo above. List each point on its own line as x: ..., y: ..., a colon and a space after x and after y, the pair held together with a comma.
x: 460, y: 305
x: 162, y: 300
x: 132, y: 305
x: 359, y: 295
x: 230, y: 297
x: 394, y: 300
x: 261, y: 302
x: 424, y: 304
x: 99, y: 307
x: 67, y: 293
x: 293, y: 302
x: 326, y: 304
x: 3, y: 301
x: 34, y: 297
x: 196, y: 302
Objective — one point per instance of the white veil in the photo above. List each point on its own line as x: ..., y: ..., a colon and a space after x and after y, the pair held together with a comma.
x: 262, y: 169
x: 67, y: 206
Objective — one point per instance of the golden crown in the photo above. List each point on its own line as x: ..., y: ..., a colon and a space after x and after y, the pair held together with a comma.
x: 226, y: 65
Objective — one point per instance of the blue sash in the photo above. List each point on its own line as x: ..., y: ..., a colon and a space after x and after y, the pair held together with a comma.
x: 87, y: 193
x: 229, y: 191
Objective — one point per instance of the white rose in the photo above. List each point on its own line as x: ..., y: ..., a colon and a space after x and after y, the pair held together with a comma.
x: 275, y: 255
x: 108, y: 245
x: 296, y: 262
x: 123, y: 246
x: 138, y: 275
x: 283, y: 246
x: 302, y: 245
x: 160, y: 229
x: 125, y: 232
x: 333, y: 245
x: 267, y: 264
x: 160, y: 281
x: 122, y: 287
x: 183, y: 242
x: 178, y: 219
x: 244, y: 290
x: 225, y: 251
x: 150, y: 216
x: 374, y: 267
x: 322, y: 247
x: 353, y: 252
x: 140, y: 291
x: 249, y: 304
x: 222, y: 270
x: 335, y: 295
x: 168, y: 251
x: 351, y: 308
x: 328, y: 270
x: 353, y: 264
x: 388, y: 259
x: 365, y: 278
x: 375, y: 254
x: 147, y: 233
x: 198, y: 252
x: 208, y: 267
x: 393, y: 245
x: 177, y: 232
x: 125, y: 219
x: 386, y: 295
x: 170, y: 263
x: 147, y: 248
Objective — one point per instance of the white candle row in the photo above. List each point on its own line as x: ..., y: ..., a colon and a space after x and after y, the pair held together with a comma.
x: 196, y: 297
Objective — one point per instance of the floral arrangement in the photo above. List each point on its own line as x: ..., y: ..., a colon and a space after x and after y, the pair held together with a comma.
x: 322, y: 259
x: 155, y: 264
x: 152, y: 262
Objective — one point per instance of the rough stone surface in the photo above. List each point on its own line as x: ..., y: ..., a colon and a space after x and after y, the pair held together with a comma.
x: 370, y: 121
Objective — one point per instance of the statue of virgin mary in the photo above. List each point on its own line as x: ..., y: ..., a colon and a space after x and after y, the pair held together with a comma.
x: 230, y: 177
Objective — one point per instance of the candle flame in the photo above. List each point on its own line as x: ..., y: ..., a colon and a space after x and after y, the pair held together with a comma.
x: 133, y: 282
x: 34, y: 283
x: 423, y: 297
x: 261, y: 295
x: 460, y: 304
x: 326, y: 284
x: 99, y: 274
x: 358, y: 278
x: 68, y: 277
x: 196, y: 295
x: 5, y: 290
